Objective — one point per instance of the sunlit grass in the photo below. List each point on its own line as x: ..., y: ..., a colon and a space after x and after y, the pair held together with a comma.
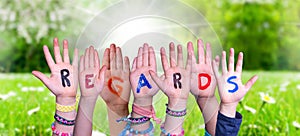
x: 280, y: 118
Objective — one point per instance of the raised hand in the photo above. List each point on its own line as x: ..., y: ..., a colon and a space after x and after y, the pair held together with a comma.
x: 91, y: 84
x: 91, y: 78
x: 116, y: 91
x: 63, y: 81
x: 176, y: 79
x: 230, y: 86
x: 203, y: 81
x: 143, y: 87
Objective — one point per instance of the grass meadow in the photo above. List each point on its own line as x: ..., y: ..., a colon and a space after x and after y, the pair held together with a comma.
x: 27, y: 107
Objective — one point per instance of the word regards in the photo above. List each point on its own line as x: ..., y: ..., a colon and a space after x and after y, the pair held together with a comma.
x: 176, y: 78
x: 208, y: 78
x: 111, y: 86
x: 88, y: 81
x: 64, y: 80
x: 142, y: 82
x: 236, y: 87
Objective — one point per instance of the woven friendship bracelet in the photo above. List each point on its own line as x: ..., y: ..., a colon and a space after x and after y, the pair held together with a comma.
x: 63, y: 121
x: 135, y: 121
x: 56, y: 132
x: 129, y: 131
x: 175, y: 113
x: 63, y: 108
x: 168, y: 134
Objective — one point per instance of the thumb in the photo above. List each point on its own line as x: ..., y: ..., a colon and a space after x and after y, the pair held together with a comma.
x: 41, y: 77
x: 251, y: 82
x: 157, y: 80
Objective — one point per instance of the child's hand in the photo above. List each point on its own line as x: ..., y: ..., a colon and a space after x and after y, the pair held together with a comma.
x: 203, y: 81
x: 116, y: 91
x: 176, y: 81
x: 91, y: 78
x: 143, y: 87
x: 63, y: 81
x: 231, y: 89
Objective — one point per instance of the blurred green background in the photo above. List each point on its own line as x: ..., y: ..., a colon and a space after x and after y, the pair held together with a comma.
x: 267, y: 31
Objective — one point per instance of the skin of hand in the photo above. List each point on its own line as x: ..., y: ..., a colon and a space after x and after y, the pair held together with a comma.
x: 116, y: 78
x: 116, y: 92
x: 229, y: 101
x: 177, y: 97
x: 142, y: 64
x: 64, y: 95
x: 206, y: 98
x: 91, y: 81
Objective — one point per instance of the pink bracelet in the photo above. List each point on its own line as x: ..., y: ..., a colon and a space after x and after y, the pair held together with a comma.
x: 56, y: 132
x: 146, y: 113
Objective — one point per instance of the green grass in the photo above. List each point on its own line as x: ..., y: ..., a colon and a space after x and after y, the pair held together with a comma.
x: 271, y: 119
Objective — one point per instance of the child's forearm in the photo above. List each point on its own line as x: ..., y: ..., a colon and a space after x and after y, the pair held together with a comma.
x: 70, y: 115
x: 174, y: 125
x: 84, y: 119
x: 115, y: 113
x: 209, y: 108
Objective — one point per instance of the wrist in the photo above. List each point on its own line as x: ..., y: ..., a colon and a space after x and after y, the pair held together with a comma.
x: 120, y: 110
x: 143, y: 102
x: 228, y: 109
x: 177, y: 104
x: 66, y: 100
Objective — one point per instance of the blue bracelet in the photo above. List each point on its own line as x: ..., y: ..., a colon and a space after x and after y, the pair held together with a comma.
x: 132, y: 131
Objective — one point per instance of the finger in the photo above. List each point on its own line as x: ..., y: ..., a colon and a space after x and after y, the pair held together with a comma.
x: 86, y: 58
x: 215, y: 66
x: 164, y: 60
x: 157, y: 80
x: 189, y: 62
x: 41, y: 77
x: 97, y: 60
x: 251, y: 82
x: 106, y: 58
x: 91, y: 57
x: 172, y: 55
x: 190, y: 49
x: 57, y: 51
x: 48, y: 57
x: 119, y: 58
x: 101, y: 77
x: 180, y: 56
x: 112, y: 56
x: 75, y: 58
x: 127, y: 64
x: 66, y: 51
x: 134, y: 65
x: 239, y: 64
x: 152, y: 58
x: 139, y: 60
x: 81, y: 65
x: 101, y: 74
x: 224, y: 63
x: 208, y: 54
x: 231, y: 60
x: 145, y: 55
x: 200, y: 52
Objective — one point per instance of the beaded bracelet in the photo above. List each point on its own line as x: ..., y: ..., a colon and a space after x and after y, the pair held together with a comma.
x: 134, y: 121
x: 149, y: 131
x: 175, y: 113
x: 56, y: 132
x: 168, y: 134
x: 64, y: 121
